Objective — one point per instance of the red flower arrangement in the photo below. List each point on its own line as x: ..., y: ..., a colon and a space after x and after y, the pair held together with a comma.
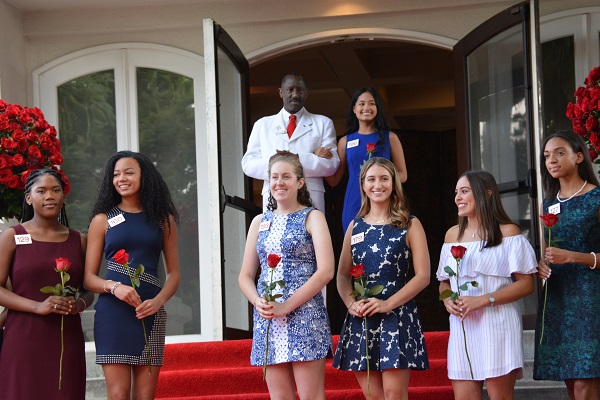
x: 27, y: 142
x: 585, y: 113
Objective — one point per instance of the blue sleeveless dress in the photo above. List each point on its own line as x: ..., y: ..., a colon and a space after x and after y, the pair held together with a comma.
x: 118, y: 334
x: 355, y: 157
x: 395, y: 339
x: 303, y: 334
x: 570, y: 347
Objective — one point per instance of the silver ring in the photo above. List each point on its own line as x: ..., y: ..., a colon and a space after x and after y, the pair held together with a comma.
x: 55, y: 306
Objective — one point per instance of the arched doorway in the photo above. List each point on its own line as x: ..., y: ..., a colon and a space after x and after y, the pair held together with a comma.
x: 415, y: 77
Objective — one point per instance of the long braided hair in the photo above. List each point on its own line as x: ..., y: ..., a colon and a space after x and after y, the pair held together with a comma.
x: 33, y: 177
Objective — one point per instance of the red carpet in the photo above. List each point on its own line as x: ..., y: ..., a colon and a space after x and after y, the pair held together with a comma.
x: 222, y: 371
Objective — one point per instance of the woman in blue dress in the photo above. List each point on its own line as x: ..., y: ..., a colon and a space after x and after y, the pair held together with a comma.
x: 133, y: 212
x: 296, y: 323
x: 385, y: 239
x: 367, y: 135
x: 569, y: 349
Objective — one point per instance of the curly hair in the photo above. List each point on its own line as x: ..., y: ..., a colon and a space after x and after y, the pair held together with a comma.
x: 488, y: 205
x: 398, y: 207
x: 155, y: 197
x: 380, y: 122
x: 32, y: 178
x: 294, y: 160
x: 586, y: 172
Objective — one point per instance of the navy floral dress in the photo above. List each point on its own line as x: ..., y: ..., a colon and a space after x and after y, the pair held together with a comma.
x: 395, y: 339
x: 303, y: 334
x: 570, y: 347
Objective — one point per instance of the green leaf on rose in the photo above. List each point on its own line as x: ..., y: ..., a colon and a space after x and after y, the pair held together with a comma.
x: 51, y: 290
x: 454, y: 296
x: 139, y: 270
x: 445, y: 294
x: 375, y: 290
x: 449, y: 271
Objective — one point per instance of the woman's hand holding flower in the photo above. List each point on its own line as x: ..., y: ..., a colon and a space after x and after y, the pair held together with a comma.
x: 128, y: 294
x: 468, y: 304
x: 554, y: 255
x: 48, y: 306
x: 371, y: 306
x: 147, y: 308
x: 544, y: 270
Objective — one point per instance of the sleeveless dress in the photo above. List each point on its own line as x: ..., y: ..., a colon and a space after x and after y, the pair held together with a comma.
x: 355, y: 157
x: 303, y: 334
x: 395, y: 339
x: 494, y: 334
x: 29, y: 363
x: 570, y: 347
x: 119, y: 335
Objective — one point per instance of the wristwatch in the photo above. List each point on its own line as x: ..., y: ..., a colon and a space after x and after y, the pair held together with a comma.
x: 492, y: 301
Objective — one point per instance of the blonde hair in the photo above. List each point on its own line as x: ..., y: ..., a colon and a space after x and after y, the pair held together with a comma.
x: 397, y: 208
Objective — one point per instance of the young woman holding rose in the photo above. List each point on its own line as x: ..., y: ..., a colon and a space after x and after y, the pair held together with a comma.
x: 367, y: 135
x: 29, y: 362
x: 502, y: 262
x: 297, y: 322
x: 133, y: 214
x: 569, y: 350
x: 383, y: 240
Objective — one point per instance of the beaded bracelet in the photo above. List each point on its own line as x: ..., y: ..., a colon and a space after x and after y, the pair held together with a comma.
x: 116, y: 285
x: 595, y: 260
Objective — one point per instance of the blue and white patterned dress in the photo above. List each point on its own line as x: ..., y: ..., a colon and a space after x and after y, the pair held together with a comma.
x: 395, y: 339
x: 303, y: 334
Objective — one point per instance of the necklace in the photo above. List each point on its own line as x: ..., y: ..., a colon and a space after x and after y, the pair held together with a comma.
x: 377, y: 222
x: 573, y: 195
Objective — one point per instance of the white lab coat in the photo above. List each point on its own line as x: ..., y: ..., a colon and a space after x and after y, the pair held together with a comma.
x: 269, y: 134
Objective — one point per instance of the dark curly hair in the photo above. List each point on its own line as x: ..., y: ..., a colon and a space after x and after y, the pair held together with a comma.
x: 32, y: 178
x: 586, y: 172
x: 380, y: 122
x: 294, y: 160
x: 154, y: 194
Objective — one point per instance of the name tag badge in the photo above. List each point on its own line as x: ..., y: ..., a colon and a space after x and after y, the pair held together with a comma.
x: 554, y: 209
x: 359, y: 237
x: 23, y: 239
x: 352, y: 143
x: 264, y: 226
x: 114, y: 221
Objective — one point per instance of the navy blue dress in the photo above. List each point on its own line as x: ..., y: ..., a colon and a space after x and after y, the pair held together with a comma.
x: 570, y: 347
x: 118, y: 333
x: 395, y: 339
x: 355, y: 158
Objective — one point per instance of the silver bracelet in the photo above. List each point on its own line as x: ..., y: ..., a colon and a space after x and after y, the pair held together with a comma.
x: 595, y: 260
x: 104, y: 286
x: 116, y: 285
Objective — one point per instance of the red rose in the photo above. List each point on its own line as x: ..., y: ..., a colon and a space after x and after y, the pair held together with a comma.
x: 5, y: 175
x: 594, y: 139
x: 18, y: 134
x: 577, y: 110
x: 458, y: 252
x: 24, y: 116
x: 3, y: 105
x: 45, y: 142
x: 357, y: 270
x: 34, y: 152
x: 578, y: 128
x: 273, y: 260
x: 570, y: 112
x: 13, y: 182
x: 24, y: 176
x: 591, y: 123
x: 371, y: 147
x: 549, y: 219
x: 31, y: 137
x: 8, y: 144
x: 13, y: 110
x: 55, y: 158
x: 4, y: 122
x: 17, y: 160
x: 7, y: 160
x: 22, y: 146
x: 593, y: 154
x: 121, y: 257
x: 62, y: 264
x: 593, y: 77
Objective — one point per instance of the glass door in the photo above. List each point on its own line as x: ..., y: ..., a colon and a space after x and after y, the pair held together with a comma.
x: 495, y: 108
x: 227, y: 93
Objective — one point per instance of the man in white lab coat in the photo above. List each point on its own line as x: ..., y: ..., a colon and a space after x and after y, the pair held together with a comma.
x: 311, y: 136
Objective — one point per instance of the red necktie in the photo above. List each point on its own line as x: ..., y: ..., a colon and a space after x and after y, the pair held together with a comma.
x: 291, y: 126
